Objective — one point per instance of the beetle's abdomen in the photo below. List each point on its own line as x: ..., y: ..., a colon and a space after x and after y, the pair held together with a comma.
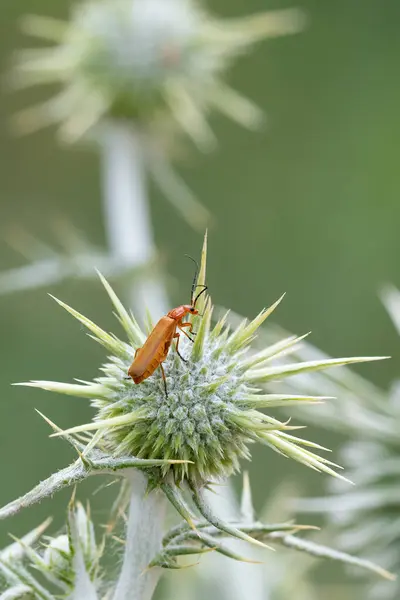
x: 154, y: 350
x: 149, y: 371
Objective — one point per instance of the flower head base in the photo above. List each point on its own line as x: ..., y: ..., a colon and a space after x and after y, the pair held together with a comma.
x: 148, y: 61
x: 210, y: 412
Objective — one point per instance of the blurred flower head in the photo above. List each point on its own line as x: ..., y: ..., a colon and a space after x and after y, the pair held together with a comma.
x: 154, y: 63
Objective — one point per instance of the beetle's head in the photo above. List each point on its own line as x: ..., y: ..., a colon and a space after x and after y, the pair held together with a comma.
x: 191, y: 309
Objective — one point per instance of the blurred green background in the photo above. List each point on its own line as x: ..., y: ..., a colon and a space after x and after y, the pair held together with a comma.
x: 308, y: 206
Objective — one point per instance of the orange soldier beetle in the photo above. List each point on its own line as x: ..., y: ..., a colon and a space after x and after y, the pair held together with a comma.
x: 155, y: 349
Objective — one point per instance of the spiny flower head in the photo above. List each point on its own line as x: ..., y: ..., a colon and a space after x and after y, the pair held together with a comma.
x: 158, y: 64
x: 211, y: 411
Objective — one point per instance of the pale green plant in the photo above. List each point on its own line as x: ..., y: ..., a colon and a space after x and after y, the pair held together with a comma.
x: 173, y: 446
x: 134, y: 76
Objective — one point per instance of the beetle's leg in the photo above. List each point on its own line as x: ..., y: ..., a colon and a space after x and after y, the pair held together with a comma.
x: 164, y: 380
x: 186, y: 324
x: 188, y: 336
x: 178, y: 337
x: 190, y: 325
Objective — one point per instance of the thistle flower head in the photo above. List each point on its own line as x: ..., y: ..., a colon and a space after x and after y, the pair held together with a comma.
x: 149, y: 61
x: 209, y: 412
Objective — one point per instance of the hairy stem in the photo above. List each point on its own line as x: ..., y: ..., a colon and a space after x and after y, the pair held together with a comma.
x: 143, y: 541
x: 127, y: 216
x: 130, y: 240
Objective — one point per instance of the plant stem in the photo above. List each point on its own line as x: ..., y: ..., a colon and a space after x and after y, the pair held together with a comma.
x: 127, y: 216
x: 143, y: 541
x: 130, y: 241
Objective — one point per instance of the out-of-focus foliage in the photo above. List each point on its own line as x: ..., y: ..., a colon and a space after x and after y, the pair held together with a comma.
x: 366, y: 517
x: 151, y: 64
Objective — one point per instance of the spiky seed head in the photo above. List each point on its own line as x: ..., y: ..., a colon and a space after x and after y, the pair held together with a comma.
x: 209, y: 415
x: 158, y: 64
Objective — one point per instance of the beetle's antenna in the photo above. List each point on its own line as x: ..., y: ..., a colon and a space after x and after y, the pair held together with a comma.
x: 199, y: 294
x: 205, y: 307
x: 194, y: 278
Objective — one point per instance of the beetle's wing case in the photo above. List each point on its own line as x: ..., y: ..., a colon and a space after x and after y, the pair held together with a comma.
x: 154, y: 351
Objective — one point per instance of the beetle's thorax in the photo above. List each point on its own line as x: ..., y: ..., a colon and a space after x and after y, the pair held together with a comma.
x: 180, y: 311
